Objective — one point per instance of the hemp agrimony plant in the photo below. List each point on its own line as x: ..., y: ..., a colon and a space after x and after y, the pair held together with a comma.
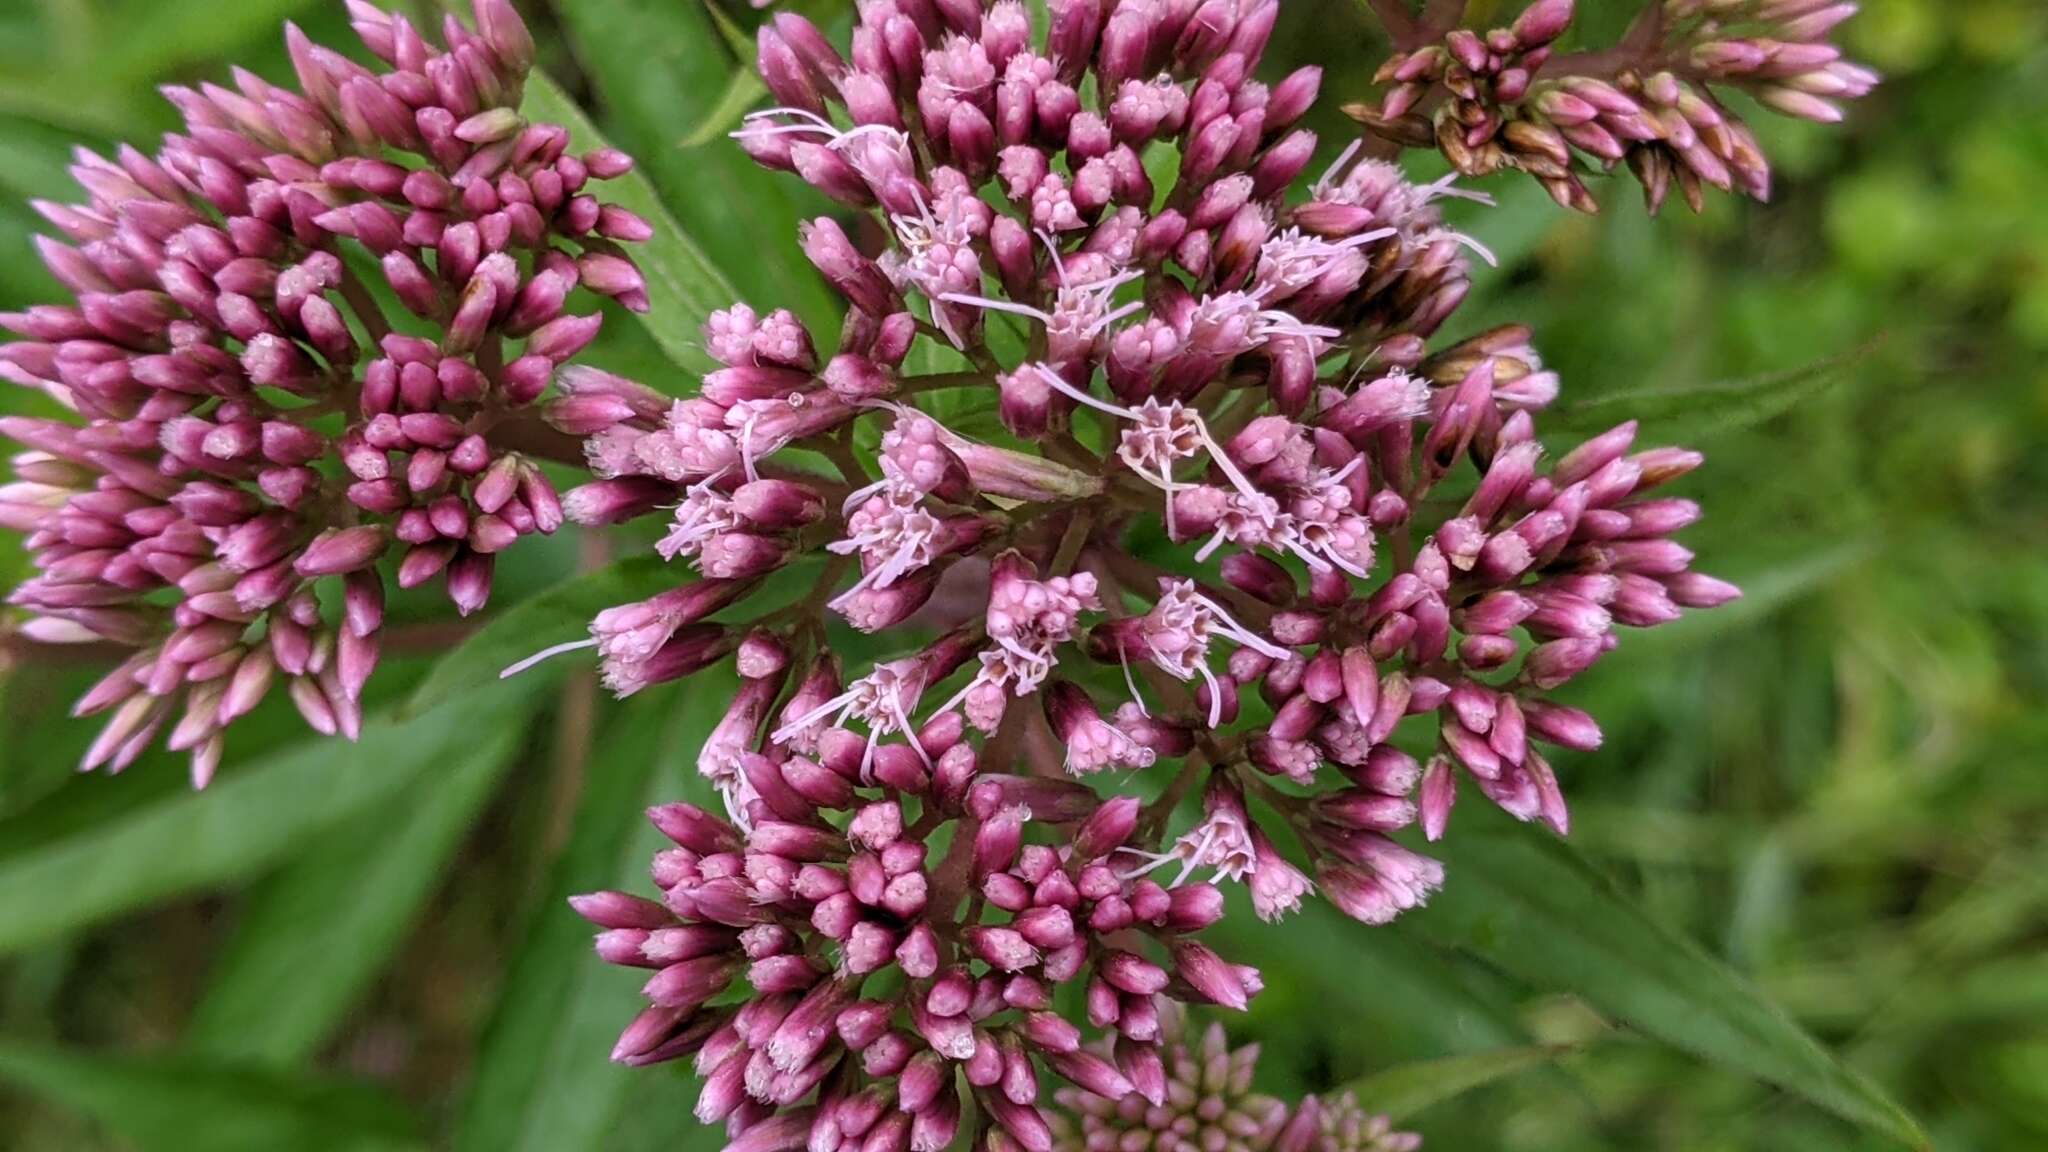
x: 1139, y: 447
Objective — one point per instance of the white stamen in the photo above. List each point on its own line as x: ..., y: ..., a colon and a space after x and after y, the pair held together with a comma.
x: 842, y: 703
x: 735, y: 808
x: 859, y: 496
x: 547, y: 653
x: 1189, y: 861
x: 1201, y: 848
x: 1154, y: 861
x: 1239, y: 632
x: 1096, y: 328
x: 876, y: 699
x: 895, y: 705
x: 1465, y: 241
x: 980, y: 677
x: 1215, y: 694
x: 1058, y: 384
x: 1059, y: 266
x: 1238, y: 479
x: 1323, y: 182
x: 810, y: 122
x: 995, y: 305
x: 1446, y: 185
x: 1130, y: 681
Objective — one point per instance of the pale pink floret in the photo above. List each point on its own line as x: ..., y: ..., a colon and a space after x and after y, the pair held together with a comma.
x: 1222, y: 841
x: 1178, y: 632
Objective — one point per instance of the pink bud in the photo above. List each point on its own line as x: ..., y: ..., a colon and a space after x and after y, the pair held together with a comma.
x: 341, y: 550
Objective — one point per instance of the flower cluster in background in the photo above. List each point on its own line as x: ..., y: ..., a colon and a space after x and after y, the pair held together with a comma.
x: 1082, y: 233
x: 1209, y: 1106
x: 298, y: 334
x: 1506, y: 99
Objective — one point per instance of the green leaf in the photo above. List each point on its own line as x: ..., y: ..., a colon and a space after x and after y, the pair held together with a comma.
x: 163, y: 36
x: 660, y: 69
x: 35, y: 161
x: 683, y: 285
x: 542, y: 1081
x: 1407, y: 1089
x: 737, y: 40
x: 249, y: 819
x: 742, y: 92
x: 315, y: 934
x: 1696, y: 412
x: 744, y: 88
x: 1527, y: 903
x: 1512, y: 228
x: 1408, y: 999
x: 656, y: 1116
x: 184, y: 1105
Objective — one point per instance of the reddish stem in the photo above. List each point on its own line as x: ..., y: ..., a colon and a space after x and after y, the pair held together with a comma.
x: 1641, y: 48
x: 1401, y: 27
x: 1440, y: 16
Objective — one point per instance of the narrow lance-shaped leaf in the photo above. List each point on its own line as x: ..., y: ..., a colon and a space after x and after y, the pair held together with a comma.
x: 542, y: 1081
x: 1408, y: 1001
x: 1407, y: 1089
x: 247, y: 821
x: 1765, y: 591
x: 159, y: 37
x: 187, y: 1105
x: 744, y: 88
x: 313, y: 936
x: 560, y: 614
x: 1527, y: 903
x: 742, y: 92
x: 1696, y: 412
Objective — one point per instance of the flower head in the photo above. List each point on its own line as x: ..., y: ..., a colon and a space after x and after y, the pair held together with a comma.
x: 1200, y: 479
x: 1507, y: 99
x: 861, y: 982
x: 1210, y: 1105
x: 252, y: 433
x: 1344, y: 1126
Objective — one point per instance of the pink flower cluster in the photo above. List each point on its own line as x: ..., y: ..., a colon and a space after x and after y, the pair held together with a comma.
x: 250, y: 426
x: 1188, y: 486
x: 1209, y: 1106
x: 1507, y: 99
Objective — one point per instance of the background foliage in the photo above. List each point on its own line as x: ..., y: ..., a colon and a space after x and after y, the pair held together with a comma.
x: 1830, y: 798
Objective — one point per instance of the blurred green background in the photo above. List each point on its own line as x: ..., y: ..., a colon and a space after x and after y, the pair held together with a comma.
x: 1839, y: 786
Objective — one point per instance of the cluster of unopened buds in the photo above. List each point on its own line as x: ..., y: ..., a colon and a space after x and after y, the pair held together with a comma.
x: 251, y: 428
x: 1192, y: 491
x: 1505, y: 99
x: 1209, y: 1106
